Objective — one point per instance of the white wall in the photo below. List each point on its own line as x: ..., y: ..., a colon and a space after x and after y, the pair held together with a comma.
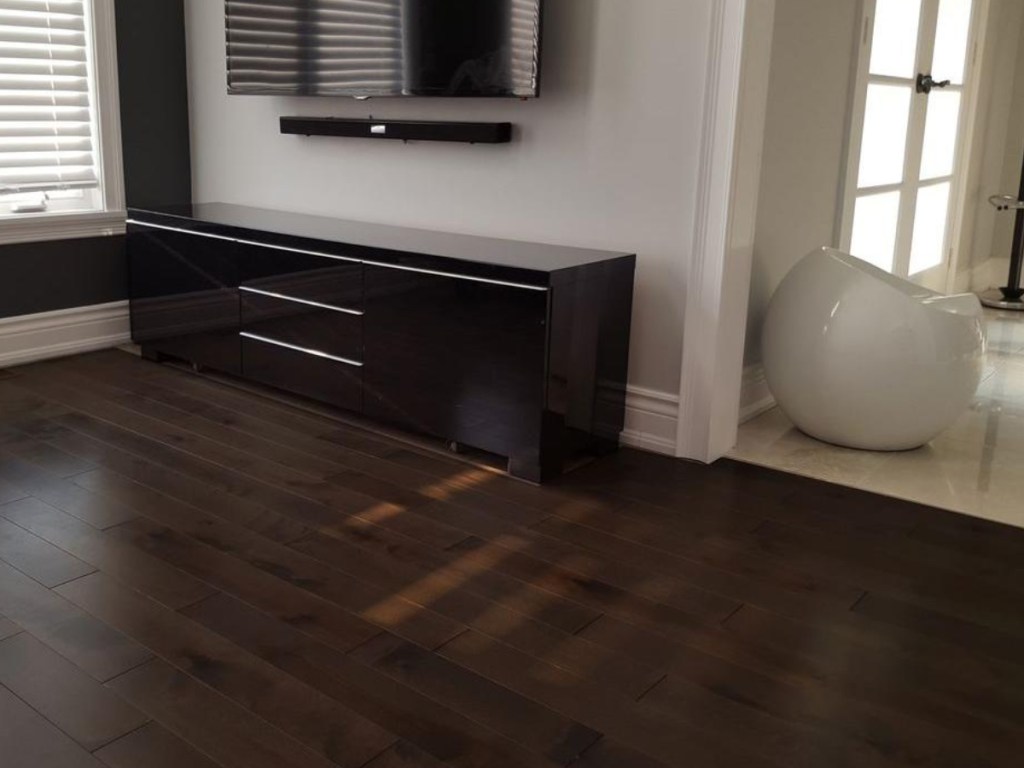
x: 812, y: 64
x: 996, y: 154
x: 608, y: 157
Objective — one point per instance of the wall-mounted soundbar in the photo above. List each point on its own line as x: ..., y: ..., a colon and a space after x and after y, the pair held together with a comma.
x: 403, y: 130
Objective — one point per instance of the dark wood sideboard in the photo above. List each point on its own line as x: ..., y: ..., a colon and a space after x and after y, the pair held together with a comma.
x: 513, y: 348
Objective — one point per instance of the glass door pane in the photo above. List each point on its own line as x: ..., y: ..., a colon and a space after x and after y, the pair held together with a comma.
x: 930, y: 225
x: 884, y: 145
x: 896, y: 23
x: 940, y: 135
x: 950, y: 59
x: 875, y: 221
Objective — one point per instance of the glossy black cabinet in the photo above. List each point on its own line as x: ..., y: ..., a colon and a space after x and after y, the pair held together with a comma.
x: 513, y: 348
x: 184, y: 296
x: 457, y: 358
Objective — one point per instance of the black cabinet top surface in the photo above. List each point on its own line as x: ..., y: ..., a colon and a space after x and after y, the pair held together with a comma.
x: 378, y: 240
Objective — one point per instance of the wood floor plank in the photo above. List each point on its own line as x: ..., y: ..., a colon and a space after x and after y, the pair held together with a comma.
x: 59, y: 463
x: 230, y: 734
x: 358, y: 598
x: 153, y: 746
x: 89, y: 643
x: 9, y: 493
x: 608, y: 753
x: 403, y: 754
x: 862, y: 735
x: 878, y: 569
x: 77, y: 704
x: 869, y: 679
x: 337, y: 733
x: 967, y: 634
x: 274, y: 595
x: 702, y: 729
x: 180, y: 486
x: 528, y: 722
x: 988, y: 698
x: 37, y: 558
x: 61, y: 493
x: 8, y: 628
x: 930, y: 654
x: 458, y: 585
x: 108, y: 553
x: 429, y: 724
x: 29, y: 741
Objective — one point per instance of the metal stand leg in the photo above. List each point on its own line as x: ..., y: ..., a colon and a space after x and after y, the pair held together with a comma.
x: 1011, y: 296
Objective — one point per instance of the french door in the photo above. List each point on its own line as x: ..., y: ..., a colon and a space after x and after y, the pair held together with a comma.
x: 902, y: 190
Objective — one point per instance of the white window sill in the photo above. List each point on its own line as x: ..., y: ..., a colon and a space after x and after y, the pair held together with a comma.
x: 43, y: 227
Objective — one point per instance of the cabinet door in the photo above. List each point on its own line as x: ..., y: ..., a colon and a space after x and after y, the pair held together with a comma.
x: 459, y: 359
x: 184, y: 297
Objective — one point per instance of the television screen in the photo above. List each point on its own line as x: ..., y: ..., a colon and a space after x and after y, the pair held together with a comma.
x: 366, y: 48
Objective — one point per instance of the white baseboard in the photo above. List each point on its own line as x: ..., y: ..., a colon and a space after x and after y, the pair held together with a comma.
x: 755, y: 397
x: 989, y: 274
x: 651, y: 419
x: 29, y: 338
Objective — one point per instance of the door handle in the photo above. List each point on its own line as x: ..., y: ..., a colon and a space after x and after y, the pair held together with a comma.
x: 925, y: 83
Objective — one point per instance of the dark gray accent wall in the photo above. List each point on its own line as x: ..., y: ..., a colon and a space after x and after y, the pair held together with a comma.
x: 40, y: 277
x: 154, y: 101
x: 46, y: 276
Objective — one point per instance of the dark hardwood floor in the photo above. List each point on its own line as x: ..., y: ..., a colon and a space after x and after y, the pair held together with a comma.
x: 196, y: 575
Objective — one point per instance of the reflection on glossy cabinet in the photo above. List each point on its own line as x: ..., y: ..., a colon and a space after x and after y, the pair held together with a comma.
x: 184, y: 296
x: 456, y: 358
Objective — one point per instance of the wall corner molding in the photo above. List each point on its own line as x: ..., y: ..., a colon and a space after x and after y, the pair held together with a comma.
x: 717, y: 285
x: 30, y: 338
x: 651, y: 420
x: 756, y: 397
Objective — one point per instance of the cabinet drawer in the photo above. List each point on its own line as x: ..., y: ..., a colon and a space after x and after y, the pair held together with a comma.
x: 310, y: 373
x: 303, y: 323
x: 322, y: 279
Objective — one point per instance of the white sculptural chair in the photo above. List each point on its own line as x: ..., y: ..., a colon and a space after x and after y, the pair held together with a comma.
x: 857, y: 357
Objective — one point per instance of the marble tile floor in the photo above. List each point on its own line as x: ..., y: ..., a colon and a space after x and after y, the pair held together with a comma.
x: 976, y: 467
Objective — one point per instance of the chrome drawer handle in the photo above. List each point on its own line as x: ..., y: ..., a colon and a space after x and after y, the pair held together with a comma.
x: 307, y: 302
x: 303, y: 350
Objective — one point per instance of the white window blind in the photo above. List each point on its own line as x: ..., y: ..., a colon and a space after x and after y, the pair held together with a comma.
x: 47, y: 129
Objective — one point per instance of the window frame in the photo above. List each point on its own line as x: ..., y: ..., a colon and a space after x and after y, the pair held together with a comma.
x: 109, y: 218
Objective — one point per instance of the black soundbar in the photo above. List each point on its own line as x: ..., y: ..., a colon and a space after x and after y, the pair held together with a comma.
x: 403, y: 130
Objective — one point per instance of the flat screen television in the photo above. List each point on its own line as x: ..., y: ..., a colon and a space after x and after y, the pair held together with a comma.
x: 364, y: 48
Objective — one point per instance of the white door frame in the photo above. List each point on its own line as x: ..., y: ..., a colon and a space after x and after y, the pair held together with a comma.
x: 717, y: 287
